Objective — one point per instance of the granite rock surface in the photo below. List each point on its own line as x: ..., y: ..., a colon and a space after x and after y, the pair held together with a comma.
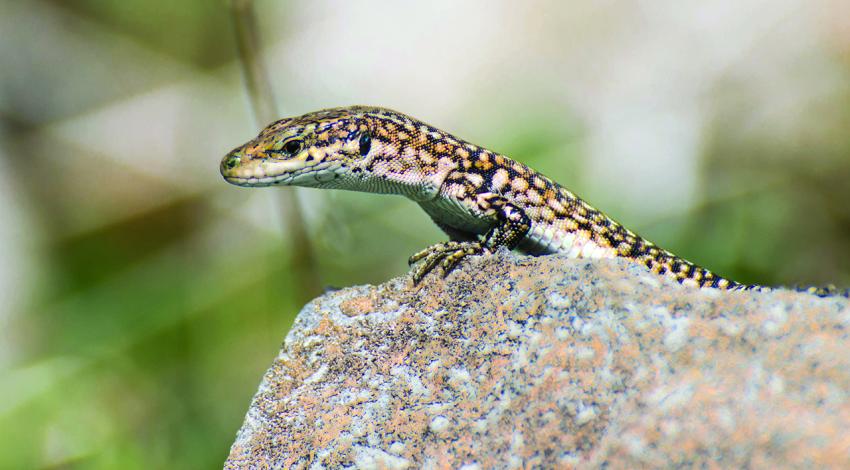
x: 548, y: 362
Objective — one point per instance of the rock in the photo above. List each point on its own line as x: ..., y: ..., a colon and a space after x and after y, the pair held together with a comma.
x: 521, y: 362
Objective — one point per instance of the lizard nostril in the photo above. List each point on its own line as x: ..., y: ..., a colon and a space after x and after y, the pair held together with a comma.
x: 232, y: 161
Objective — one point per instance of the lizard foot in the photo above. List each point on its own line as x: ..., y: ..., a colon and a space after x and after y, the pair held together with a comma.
x: 447, y: 255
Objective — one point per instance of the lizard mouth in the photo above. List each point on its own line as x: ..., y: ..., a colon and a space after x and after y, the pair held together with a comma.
x: 280, y: 174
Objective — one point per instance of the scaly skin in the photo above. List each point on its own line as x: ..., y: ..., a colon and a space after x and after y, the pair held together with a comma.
x: 481, y: 199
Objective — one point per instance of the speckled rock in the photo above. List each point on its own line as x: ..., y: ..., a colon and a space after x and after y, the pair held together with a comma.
x: 524, y: 362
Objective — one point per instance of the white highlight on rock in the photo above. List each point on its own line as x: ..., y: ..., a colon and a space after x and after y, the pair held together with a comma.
x: 678, y: 335
x: 318, y: 375
x: 439, y: 424
x: 369, y: 457
x: 585, y: 416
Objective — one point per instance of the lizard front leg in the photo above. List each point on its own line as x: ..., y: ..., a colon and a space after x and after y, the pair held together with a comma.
x: 511, y: 225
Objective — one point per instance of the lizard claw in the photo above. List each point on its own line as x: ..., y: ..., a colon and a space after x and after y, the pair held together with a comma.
x: 447, y: 254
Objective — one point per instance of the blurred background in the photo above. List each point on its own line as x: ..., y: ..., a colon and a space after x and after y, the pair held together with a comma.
x: 142, y: 298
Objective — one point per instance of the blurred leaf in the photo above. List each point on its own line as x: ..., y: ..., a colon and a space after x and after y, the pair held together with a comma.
x: 195, y: 31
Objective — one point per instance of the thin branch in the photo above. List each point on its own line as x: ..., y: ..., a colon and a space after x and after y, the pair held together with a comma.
x: 265, y: 111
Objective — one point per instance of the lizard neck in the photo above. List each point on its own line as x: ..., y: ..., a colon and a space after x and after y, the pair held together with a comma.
x: 409, y: 157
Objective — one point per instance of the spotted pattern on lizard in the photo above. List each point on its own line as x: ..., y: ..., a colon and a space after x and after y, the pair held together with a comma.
x: 483, y: 200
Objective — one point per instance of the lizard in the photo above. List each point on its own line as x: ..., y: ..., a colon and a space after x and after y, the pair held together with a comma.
x: 481, y: 199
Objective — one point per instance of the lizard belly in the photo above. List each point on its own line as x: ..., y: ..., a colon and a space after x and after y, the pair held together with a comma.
x: 453, y: 213
x: 545, y: 238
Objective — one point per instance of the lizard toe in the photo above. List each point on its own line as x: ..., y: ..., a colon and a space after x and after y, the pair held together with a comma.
x: 452, y: 260
x: 446, y: 255
x: 432, y: 250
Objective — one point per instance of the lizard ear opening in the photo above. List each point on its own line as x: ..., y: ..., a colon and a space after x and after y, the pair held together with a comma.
x: 365, y: 143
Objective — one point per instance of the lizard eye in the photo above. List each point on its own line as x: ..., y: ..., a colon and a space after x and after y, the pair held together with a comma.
x: 365, y: 143
x: 292, y: 147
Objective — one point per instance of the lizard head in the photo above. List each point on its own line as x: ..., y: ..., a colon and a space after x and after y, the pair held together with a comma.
x: 320, y: 149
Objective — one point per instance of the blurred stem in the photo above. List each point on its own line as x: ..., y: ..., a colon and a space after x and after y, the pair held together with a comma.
x: 263, y: 104
x: 253, y: 68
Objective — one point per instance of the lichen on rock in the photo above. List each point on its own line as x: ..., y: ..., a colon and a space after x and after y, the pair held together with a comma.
x: 521, y: 362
